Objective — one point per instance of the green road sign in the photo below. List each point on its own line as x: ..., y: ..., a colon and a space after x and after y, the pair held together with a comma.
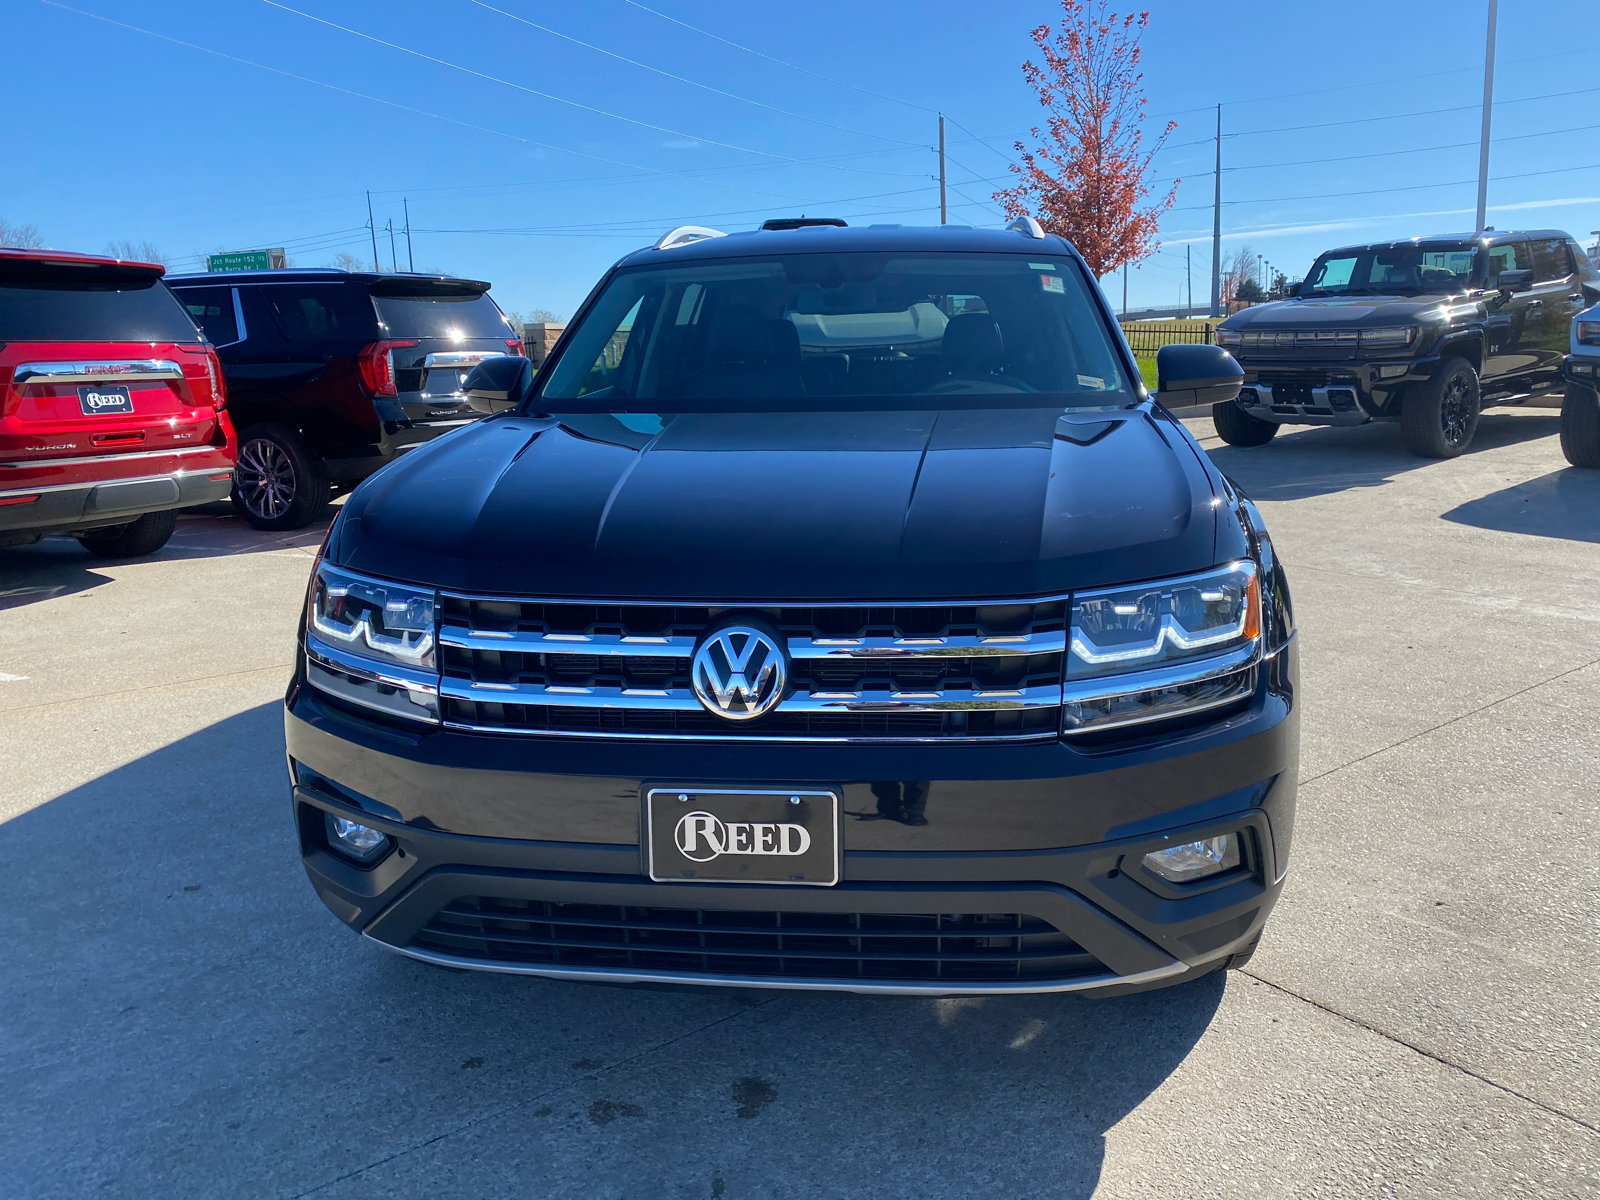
x: 246, y: 260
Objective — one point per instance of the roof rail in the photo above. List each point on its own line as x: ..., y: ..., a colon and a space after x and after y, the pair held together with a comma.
x: 1026, y: 226
x: 684, y: 235
x: 803, y: 222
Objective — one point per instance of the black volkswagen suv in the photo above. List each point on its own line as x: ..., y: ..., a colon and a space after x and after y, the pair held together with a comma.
x: 332, y: 374
x: 833, y: 609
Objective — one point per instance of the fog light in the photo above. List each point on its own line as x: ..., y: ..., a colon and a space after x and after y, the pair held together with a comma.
x: 1195, y: 860
x: 1393, y: 372
x: 356, y: 840
x: 1578, y: 368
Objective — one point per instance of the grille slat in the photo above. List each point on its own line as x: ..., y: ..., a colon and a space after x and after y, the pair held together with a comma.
x: 858, y: 672
x: 909, y: 947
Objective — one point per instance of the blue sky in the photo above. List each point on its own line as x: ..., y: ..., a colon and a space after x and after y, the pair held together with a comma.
x: 143, y: 138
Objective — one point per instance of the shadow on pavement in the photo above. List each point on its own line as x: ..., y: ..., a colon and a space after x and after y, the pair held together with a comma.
x: 183, y: 1018
x: 1563, y: 504
x: 1317, y: 462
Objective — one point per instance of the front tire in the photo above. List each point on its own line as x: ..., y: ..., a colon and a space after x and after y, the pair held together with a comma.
x: 1239, y: 428
x: 139, y: 537
x: 276, y: 484
x: 1580, y: 426
x: 1438, y: 418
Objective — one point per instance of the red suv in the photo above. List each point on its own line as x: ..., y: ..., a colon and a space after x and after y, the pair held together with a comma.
x: 111, y: 404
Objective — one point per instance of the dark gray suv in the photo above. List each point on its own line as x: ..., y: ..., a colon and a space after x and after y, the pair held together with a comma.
x: 332, y: 374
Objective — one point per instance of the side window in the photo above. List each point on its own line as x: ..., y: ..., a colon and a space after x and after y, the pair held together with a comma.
x: 212, y: 310
x: 1511, y: 257
x: 1550, y: 260
x: 319, y: 312
x: 1334, y: 273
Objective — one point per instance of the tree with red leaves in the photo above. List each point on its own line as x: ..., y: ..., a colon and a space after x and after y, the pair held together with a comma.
x: 1087, y: 181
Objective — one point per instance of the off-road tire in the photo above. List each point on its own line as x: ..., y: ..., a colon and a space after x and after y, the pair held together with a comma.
x: 1239, y: 428
x: 1580, y: 426
x: 277, y: 485
x: 1438, y: 418
x: 1240, y: 957
x: 139, y: 537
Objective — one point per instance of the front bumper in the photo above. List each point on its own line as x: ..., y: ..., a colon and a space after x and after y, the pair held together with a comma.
x: 114, y: 494
x: 538, y: 836
x: 1334, y: 392
x: 1582, y: 369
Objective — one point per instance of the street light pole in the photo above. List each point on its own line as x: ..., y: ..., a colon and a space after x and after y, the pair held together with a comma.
x: 1488, y: 108
x: 944, y: 212
x: 1216, y: 228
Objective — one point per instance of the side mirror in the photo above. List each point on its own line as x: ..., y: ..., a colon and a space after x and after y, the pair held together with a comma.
x: 1513, y: 281
x: 499, y: 384
x: 1190, y: 375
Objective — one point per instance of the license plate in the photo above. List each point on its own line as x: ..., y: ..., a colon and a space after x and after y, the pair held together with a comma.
x: 743, y: 835
x: 102, y: 399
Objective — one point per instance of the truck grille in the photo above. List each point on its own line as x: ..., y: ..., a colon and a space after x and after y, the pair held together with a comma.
x: 903, y: 947
x: 854, y: 672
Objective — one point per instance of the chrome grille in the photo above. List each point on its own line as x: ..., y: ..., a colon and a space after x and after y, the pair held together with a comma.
x: 925, y: 671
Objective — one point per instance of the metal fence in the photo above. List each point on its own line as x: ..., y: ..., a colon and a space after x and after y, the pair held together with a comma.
x: 1146, y: 337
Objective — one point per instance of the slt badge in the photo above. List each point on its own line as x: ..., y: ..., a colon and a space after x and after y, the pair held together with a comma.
x: 739, y: 673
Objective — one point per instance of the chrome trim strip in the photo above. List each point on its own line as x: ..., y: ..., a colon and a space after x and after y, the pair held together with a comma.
x: 942, y: 647
x: 421, y: 682
x: 1173, y: 968
x: 176, y: 451
x: 740, y: 739
x: 177, y: 477
x: 684, y: 700
x: 566, y: 643
x: 725, y: 605
x: 1152, y: 718
x: 398, y: 703
x: 459, y: 358
x: 238, y: 318
x: 1128, y: 683
x: 91, y: 371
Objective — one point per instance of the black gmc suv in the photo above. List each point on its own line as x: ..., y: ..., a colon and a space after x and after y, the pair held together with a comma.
x: 833, y: 609
x: 332, y: 374
x: 1425, y: 332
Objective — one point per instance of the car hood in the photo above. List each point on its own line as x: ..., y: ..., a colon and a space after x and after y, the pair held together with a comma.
x: 1343, y: 312
x: 792, y: 506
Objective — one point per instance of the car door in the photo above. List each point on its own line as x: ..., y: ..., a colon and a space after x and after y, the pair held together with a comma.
x: 1510, y: 356
x: 1557, y: 298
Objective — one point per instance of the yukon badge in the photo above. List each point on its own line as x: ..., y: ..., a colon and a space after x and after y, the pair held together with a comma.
x: 738, y: 673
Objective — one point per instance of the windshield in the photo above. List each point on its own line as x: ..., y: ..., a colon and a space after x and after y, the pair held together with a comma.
x: 456, y: 318
x: 841, y: 331
x: 1407, y: 270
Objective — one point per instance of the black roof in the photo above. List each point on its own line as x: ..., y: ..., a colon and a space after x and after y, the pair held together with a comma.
x: 399, y: 282
x: 1494, y: 237
x: 831, y: 239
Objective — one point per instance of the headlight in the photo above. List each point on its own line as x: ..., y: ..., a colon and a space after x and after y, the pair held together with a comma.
x: 1389, y: 335
x: 1162, y: 649
x: 1589, y: 333
x: 371, y: 642
x: 1228, y: 337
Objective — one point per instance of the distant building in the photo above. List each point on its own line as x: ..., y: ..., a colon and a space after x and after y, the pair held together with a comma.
x: 540, y: 337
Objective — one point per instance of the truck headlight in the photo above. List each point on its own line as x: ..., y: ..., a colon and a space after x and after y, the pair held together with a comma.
x: 1389, y: 335
x: 371, y: 642
x: 1228, y: 337
x: 1588, y: 333
x: 1162, y: 649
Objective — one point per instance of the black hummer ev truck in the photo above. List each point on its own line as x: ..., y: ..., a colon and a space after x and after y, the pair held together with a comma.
x: 1425, y: 332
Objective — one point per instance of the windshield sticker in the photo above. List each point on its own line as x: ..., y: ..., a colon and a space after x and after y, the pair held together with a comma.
x: 1054, y: 283
x: 1043, y: 266
x: 1092, y: 381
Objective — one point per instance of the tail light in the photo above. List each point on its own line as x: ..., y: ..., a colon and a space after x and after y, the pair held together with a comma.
x: 514, y: 348
x: 376, y: 364
x: 215, y: 397
x: 219, y: 393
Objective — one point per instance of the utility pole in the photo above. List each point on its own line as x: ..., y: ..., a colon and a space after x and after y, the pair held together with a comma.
x: 1124, y: 289
x: 1216, y: 227
x: 1488, y: 108
x: 1261, y: 273
x: 372, y: 228
x: 411, y: 260
x: 1188, y: 279
x: 944, y: 212
x: 393, y: 258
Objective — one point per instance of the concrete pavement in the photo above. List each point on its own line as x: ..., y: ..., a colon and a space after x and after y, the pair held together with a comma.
x: 180, y: 1017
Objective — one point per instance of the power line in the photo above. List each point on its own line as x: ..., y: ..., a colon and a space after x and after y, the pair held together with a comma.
x: 563, y: 100
x: 1431, y: 112
x: 691, y: 82
x: 1305, y: 162
x: 1417, y: 187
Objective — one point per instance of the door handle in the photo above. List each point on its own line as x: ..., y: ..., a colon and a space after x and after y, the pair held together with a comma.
x: 1535, y: 303
x: 1575, y: 296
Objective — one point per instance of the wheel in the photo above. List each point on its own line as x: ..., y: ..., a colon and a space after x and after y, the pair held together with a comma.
x: 1241, y: 957
x: 276, y: 484
x: 1580, y: 426
x: 1439, y: 417
x: 139, y: 537
x: 1239, y: 428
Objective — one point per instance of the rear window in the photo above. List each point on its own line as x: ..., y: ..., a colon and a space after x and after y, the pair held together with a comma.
x: 454, y: 318
x: 46, y: 310
x: 319, y: 312
x: 212, y: 310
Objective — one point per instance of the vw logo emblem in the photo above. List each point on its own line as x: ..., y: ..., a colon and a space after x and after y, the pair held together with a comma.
x: 738, y: 673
